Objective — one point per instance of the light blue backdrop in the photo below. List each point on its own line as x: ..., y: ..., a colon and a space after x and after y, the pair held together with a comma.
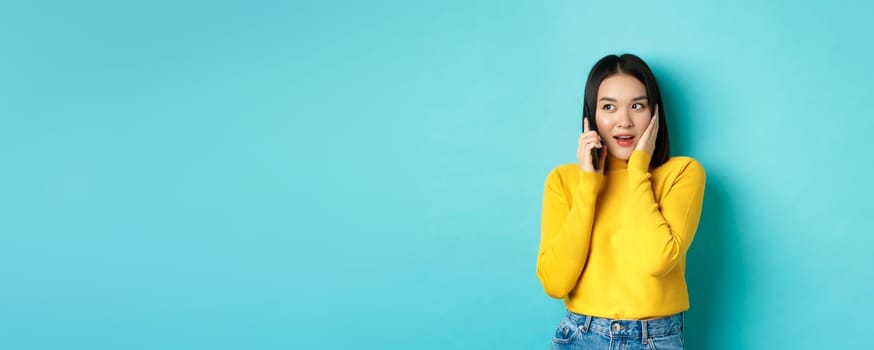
x: 341, y: 174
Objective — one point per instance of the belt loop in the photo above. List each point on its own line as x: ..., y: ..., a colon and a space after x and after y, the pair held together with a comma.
x: 587, y: 323
x: 643, y: 331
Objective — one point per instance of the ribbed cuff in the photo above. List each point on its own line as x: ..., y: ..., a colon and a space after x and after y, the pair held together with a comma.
x: 590, y: 182
x: 639, y: 162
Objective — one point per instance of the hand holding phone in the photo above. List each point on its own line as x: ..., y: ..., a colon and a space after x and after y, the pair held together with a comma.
x: 589, y: 147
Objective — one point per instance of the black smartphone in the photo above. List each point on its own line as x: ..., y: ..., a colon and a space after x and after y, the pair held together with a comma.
x: 596, y: 154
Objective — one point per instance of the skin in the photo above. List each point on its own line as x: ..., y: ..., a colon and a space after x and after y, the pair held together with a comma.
x: 622, y: 109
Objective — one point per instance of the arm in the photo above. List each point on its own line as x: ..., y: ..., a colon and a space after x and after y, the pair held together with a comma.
x: 665, y: 229
x: 565, y: 232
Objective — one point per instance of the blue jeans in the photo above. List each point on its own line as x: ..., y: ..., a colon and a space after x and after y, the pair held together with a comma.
x: 576, y: 331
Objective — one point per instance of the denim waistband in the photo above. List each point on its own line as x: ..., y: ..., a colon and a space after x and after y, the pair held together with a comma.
x: 643, y: 329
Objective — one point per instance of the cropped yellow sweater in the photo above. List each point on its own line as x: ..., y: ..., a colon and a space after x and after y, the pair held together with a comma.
x: 615, y: 245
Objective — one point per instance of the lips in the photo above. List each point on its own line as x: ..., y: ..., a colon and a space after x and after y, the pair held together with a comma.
x: 624, y: 140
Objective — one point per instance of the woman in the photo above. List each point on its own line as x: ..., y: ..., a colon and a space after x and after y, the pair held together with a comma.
x: 616, y: 225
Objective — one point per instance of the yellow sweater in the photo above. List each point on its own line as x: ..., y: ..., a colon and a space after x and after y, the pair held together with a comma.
x: 615, y: 245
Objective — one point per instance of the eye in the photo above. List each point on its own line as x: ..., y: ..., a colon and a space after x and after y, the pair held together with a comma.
x: 638, y: 106
x: 608, y: 107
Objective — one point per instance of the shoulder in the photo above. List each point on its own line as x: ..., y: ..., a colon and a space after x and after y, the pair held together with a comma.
x: 564, y: 169
x: 562, y: 174
x: 682, y: 162
x: 682, y: 166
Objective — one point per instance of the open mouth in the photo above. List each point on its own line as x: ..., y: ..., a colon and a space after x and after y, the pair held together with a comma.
x: 624, y: 140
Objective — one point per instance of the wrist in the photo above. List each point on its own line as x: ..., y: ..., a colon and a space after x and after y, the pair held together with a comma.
x: 590, y: 181
x: 639, y: 161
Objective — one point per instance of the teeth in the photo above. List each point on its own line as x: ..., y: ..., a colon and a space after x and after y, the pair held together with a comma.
x: 624, y: 137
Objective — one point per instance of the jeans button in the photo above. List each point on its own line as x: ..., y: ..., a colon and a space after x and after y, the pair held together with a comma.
x: 616, y: 327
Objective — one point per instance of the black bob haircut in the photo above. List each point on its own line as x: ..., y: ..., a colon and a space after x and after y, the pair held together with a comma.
x: 634, y: 66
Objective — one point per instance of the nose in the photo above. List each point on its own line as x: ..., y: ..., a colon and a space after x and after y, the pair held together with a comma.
x: 624, y: 119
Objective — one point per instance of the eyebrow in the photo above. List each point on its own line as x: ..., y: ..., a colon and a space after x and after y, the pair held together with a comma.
x: 638, y: 98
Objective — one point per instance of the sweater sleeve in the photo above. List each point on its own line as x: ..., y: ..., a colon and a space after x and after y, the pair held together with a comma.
x: 665, y: 229
x: 565, y: 232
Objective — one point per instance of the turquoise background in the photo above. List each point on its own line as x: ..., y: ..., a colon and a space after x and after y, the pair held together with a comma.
x: 339, y: 174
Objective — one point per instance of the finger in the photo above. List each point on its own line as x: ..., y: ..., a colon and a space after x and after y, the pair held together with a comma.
x: 591, y: 139
x: 586, y: 124
x: 653, y: 121
x: 651, y: 133
x: 582, y: 143
x: 592, y: 135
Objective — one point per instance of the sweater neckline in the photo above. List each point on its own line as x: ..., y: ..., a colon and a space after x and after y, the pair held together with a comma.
x: 616, y: 164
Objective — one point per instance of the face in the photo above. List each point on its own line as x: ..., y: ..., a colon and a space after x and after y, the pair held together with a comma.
x: 623, y: 113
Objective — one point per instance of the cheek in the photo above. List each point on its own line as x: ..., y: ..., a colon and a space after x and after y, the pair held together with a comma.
x: 642, y: 121
x: 605, y: 121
